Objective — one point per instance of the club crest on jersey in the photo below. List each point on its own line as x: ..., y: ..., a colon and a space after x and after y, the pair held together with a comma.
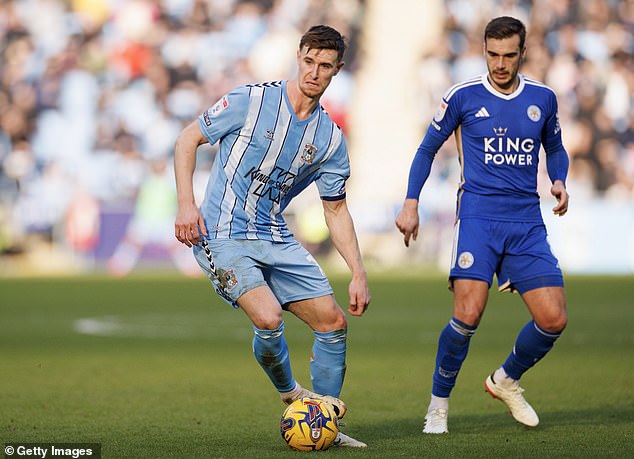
x: 308, y: 155
x: 465, y: 260
x: 227, y: 279
x: 534, y: 113
x: 220, y: 106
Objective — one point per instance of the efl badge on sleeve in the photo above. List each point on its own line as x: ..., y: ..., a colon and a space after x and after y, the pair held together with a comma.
x: 220, y: 106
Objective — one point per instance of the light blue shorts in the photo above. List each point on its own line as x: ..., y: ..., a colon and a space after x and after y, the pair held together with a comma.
x: 518, y: 253
x: 235, y: 266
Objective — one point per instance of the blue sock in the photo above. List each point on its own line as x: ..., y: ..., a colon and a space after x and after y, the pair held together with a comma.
x: 532, y: 344
x: 453, y: 346
x: 271, y: 352
x: 328, y: 362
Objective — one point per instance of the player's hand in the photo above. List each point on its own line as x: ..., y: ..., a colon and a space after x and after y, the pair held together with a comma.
x: 407, y: 220
x: 558, y: 190
x: 359, y: 295
x: 189, y: 226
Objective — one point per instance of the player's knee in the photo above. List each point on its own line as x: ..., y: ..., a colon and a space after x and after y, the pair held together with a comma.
x: 469, y: 315
x: 268, y: 322
x: 559, y: 323
x: 335, y: 321
x: 555, y: 322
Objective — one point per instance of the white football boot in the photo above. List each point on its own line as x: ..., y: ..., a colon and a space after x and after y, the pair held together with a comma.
x: 509, y: 391
x: 436, y: 421
x: 344, y: 440
x: 299, y: 392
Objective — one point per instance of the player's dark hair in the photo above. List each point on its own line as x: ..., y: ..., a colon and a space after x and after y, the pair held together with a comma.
x: 505, y: 27
x: 324, y: 37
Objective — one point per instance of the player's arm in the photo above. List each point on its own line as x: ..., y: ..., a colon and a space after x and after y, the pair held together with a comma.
x: 344, y: 238
x: 557, y: 161
x: 557, y: 165
x: 407, y: 219
x: 189, y: 222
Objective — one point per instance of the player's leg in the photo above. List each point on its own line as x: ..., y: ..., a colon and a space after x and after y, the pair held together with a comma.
x: 470, y: 297
x: 269, y: 345
x: 328, y: 358
x: 473, y: 265
x: 304, y: 290
x: 235, y: 272
x: 547, y: 305
x: 548, y: 308
x: 542, y: 290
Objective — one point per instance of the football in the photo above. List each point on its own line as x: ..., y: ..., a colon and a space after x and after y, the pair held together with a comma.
x: 309, y: 424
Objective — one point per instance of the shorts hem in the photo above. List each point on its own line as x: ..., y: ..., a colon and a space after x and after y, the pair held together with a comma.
x: 305, y: 297
x: 451, y: 279
x: 247, y: 289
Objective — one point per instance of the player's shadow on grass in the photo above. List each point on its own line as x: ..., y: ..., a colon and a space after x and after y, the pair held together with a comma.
x: 411, y: 427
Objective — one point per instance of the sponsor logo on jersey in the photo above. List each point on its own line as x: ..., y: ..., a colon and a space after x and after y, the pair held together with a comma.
x: 440, y: 112
x: 500, y: 149
x: 272, y: 186
x: 220, y: 106
x: 534, y: 113
x: 465, y: 260
x: 500, y: 131
x: 308, y: 155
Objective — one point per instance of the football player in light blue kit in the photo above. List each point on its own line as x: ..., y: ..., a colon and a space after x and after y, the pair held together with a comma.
x: 500, y: 119
x: 275, y: 139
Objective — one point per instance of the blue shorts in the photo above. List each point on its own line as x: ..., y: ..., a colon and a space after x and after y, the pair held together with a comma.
x: 235, y: 266
x: 517, y: 252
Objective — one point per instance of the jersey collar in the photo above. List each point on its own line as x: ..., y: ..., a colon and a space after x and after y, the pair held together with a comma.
x: 495, y: 92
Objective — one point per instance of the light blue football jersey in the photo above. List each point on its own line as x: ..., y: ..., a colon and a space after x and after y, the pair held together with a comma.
x: 266, y: 157
x: 498, y: 137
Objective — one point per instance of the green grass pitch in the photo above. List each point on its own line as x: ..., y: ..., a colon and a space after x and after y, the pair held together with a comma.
x: 161, y: 368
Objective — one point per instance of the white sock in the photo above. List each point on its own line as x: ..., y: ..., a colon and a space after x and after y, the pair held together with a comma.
x: 438, y: 402
x: 291, y: 395
x: 500, y: 376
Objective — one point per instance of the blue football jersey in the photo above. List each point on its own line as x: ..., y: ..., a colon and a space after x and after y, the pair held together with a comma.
x: 267, y: 156
x: 498, y: 137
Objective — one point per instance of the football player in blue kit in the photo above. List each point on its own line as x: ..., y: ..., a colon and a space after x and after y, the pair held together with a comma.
x: 500, y: 120
x: 275, y: 139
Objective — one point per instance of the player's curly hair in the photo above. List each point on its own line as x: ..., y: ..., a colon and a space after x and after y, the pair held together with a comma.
x: 505, y: 27
x: 324, y: 37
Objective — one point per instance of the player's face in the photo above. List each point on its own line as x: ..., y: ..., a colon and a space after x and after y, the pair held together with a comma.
x: 503, y: 62
x: 316, y: 67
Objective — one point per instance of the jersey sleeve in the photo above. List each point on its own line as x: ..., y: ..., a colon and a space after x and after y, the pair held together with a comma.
x: 556, y: 157
x: 333, y: 173
x: 445, y: 121
x: 226, y: 115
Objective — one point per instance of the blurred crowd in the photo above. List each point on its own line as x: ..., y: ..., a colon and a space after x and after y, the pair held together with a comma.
x: 94, y: 92
x: 583, y: 50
